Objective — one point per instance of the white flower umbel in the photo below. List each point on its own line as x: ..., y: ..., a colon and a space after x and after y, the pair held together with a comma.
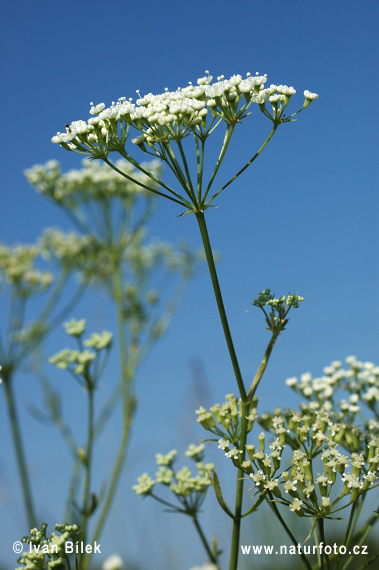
x: 160, y: 122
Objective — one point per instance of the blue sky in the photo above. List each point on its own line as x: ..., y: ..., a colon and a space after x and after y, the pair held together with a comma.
x: 302, y: 219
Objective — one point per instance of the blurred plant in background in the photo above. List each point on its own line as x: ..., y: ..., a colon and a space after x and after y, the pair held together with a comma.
x: 27, y: 286
x: 145, y: 280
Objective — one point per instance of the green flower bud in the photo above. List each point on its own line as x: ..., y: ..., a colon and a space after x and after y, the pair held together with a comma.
x: 326, y: 505
x: 262, y: 438
x: 251, y: 451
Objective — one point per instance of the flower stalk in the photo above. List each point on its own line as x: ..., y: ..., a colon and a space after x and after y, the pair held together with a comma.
x: 220, y: 303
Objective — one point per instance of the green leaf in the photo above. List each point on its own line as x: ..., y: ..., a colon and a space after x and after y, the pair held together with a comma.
x: 216, y: 485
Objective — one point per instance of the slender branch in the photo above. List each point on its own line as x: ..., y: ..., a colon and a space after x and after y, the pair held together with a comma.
x: 107, y: 410
x: 287, y: 529
x: 322, y: 537
x: 128, y: 406
x: 262, y: 367
x: 364, y: 532
x: 190, y: 186
x: 181, y: 200
x: 199, y: 167
x: 225, y: 144
x: 211, y: 555
x: 246, y: 165
x: 74, y: 484
x: 20, y: 455
x: 88, y: 461
x: 220, y: 304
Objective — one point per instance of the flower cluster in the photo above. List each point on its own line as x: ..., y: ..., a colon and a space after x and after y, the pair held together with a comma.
x: 18, y: 268
x: 224, y: 420
x: 279, y: 309
x: 188, y: 489
x: 48, y: 551
x: 167, y: 118
x: 173, y: 114
x: 94, y: 259
x: 309, y: 440
x: 344, y: 391
x: 78, y: 361
x: 94, y: 182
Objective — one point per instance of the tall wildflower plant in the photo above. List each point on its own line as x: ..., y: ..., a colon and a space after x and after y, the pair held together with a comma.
x: 157, y: 125
x: 145, y: 281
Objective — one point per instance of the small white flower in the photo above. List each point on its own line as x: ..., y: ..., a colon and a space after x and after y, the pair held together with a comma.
x: 96, y: 109
x: 296, y: 505
x: 310, y: 96
x: 325, y: 502
x: 114, y: 562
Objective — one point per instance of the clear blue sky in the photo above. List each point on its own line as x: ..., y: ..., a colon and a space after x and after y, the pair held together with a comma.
x: 302, y: 219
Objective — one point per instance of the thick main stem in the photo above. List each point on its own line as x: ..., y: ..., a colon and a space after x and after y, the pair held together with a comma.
x: 20, y: 456
x: 234, y: 552
x: 220, y: 303
x: 245, y: 402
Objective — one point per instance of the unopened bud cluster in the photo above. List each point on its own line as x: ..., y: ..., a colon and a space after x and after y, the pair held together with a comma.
x: 224, y: 420
x: 79, y: 361
x: 188, y: 489
x: 279, y: 309
x: 48, y: 550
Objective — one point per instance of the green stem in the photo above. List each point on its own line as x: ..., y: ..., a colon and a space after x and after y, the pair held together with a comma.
x: 88, y: 461
x: 117, y: 469
x: 220, y: 304
x: 199, y: 167
x: 74, y: 484
x: 225, y: 144
x: 180, y: 201
x: 189, y: 181
x: 350, y: 525
x: 362, y: 534
x: 175, y: 167
x: 262, y: 367
x: 128, y: 407
x: 322, y: 537
x: 246, y: 165
x: 235, y: 546
x: 20, y: 456
x: 211, y: 555
x: 288, y: 531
